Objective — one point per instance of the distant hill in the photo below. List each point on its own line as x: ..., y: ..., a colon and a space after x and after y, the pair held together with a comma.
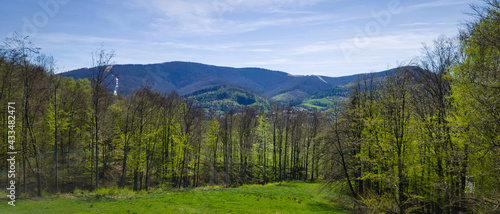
x: 224, y: 97
x: 196, y: 80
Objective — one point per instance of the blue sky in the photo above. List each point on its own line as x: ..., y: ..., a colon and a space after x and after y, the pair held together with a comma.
x: 301, y: 37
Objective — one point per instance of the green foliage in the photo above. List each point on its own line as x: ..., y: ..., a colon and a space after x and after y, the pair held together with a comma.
x: 380, y: 204
x: 426, y: 140
x: 322, y: 103
x: 291, y: 97
x: 476, y: 92
x: 114, y: 192
x: 338, y: 91
x: 225, y: 97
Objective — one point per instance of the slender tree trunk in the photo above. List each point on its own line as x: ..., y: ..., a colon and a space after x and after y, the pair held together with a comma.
x: 274, y: 151
x: 55, y: 139
x: 198, y: 165
x: 124, y: 164
x: 96, y: 153
x: 136, y: 176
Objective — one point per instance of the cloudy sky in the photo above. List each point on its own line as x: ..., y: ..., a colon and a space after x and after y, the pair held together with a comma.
x: 301, y: 37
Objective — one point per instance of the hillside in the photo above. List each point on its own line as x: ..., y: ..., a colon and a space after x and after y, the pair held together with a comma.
x: 227, y: 96
x: 189, y: 77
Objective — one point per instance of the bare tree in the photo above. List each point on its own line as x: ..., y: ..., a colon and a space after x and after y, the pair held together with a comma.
x: 48, y: 63
x: 101, y: 70
x: 433, y: 107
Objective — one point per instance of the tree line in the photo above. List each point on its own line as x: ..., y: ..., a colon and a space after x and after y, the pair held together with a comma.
x: 426, y: 138
x: 423, y: 139
x: 77, y: 134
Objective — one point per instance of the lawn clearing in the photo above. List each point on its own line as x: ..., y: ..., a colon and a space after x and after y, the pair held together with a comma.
x: 295, y: 197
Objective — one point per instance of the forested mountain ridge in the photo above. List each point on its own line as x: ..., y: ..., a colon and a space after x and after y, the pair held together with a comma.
x: 189, y: 77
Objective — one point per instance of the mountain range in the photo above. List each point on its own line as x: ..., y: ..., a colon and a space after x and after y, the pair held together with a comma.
x: 196, y: 79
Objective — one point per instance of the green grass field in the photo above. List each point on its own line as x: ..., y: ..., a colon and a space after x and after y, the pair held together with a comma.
x: 318, y: 103
x: 296, y: 197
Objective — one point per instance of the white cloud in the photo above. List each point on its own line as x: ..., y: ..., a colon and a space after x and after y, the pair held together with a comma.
x: 440, y: 3
x: 201, y: 17
x: 428, y: 23
x: 324, y: 47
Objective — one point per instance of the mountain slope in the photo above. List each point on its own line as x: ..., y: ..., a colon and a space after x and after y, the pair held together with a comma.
x: 187, y: 78
x: 224, y: 97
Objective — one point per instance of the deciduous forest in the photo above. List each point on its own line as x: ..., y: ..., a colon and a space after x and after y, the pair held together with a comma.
x: 422, y: 140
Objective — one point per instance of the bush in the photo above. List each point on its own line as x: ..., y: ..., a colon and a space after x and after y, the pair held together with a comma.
x: 115, y: 192
x: 80, y: 192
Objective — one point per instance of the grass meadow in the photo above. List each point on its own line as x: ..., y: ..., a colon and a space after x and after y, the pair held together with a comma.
x: 291, y: 197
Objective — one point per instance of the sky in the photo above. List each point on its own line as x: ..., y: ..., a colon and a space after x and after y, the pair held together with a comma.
x: 300, y: 37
